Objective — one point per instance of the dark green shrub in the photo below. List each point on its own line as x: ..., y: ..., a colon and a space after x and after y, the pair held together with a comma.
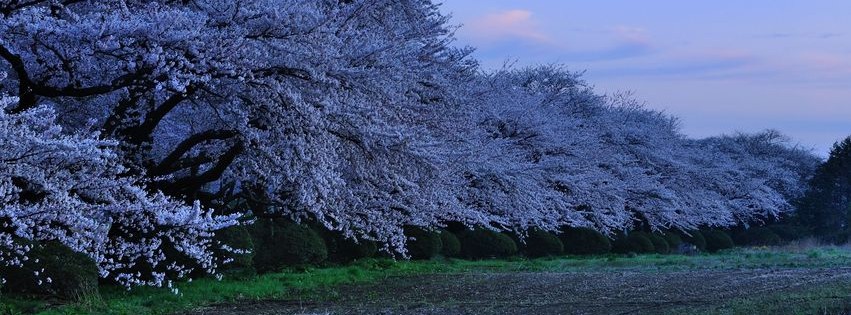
x: 540, y: 243
x: 72, y: 276
x: 673, y: 240
x: 584, y: 241
x: 788, y: 232
x: 238, y: 237
x: 660, y: 245
x: 451, y: 244
x: 758, y: 236
x: 739, y: 237
x: 634, y: 242
x: 695, y: 238
x: 456, y: 227
x: 345, y: 250
x: 422, y: 244
x: 348, y: 249
x: 280, y: 243
x: 483, y: 243
x: 717, y: 240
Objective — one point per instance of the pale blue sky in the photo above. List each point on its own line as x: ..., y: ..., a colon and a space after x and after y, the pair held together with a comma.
x: 721, y: 66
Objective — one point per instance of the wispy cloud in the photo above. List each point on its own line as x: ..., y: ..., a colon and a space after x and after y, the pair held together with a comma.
x: 782, y: 35
x: 511, y: 24
x: 517, y: 31
x: 703, y: 65
x: 626, y: 42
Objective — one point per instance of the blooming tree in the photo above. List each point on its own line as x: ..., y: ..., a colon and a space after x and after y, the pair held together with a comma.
x: 70, y: 188
x: 551, y: 152
x: 358, y: 114
x: 318, y: 108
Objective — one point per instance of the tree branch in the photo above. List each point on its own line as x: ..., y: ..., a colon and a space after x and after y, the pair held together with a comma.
x: 189, y: 185
x: 167, y: 164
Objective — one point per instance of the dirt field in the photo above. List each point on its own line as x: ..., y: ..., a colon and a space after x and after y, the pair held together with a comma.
x: 611, y: 292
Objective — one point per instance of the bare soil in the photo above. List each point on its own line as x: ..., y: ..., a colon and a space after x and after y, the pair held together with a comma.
x: 611, y: 292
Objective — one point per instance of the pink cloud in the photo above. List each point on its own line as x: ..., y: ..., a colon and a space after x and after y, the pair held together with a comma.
x: 634, y: 35
x: 507, y: 24
x: 827, y: 62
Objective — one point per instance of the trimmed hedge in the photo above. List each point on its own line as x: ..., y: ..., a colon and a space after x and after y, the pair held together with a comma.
x: 673, y: 240
x: 695, y: 238
x: 717, y: 240
x: 348, y: 250
x: 483, y: 243
x: 342, y: 249
x: 238, y: 237
x: 540, y: 243
x: 280, y: 243
x: 72, y: 275
x: 660, y: 245
x: 451, y: 244
x: 584, y: 241
x: 422, y: 244
x: 634, y: 242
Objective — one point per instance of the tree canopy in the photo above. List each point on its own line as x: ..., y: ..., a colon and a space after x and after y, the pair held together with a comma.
x: 826, y: 207
x: 132, y: 127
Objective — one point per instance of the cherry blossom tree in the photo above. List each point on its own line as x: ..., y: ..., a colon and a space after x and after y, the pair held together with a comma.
x: 304, y: 108
x: 551, y: 152
x: 359, y: 114
x: 70, y: 188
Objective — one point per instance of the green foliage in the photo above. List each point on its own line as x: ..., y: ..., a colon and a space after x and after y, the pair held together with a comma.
x: 660, y: 245
x: 281, y: 243
x: 483, y: 243
x: 758, y: 236
x: 451, y: 244
x: 345, y: 250
x: 348, y: 250
x: 238, y: 237
x: 789, y: 232
x: 584, y: 241
x: 72, y: 276
x: 695, y: 238
x: 717, y: 240
x: 635, y: 242
x: 825, y: 207
x: 673, y: 240
x: 422, y: 244
x: 540, y: 243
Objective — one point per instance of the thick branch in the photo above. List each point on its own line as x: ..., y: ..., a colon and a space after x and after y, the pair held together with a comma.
x: 139, y: 134
x: 168, y: 163
x: 189, y: 185
x: 286, y: 71
x: 26, y: 97
x: 28, y: 90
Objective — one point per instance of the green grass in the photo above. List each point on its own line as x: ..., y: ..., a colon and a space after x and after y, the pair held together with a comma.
x: 319, y: 283
x: 832, y: 298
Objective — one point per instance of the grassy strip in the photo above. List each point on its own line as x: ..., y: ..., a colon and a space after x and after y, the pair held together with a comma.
x: 318, y: 284
x: 833, y: 298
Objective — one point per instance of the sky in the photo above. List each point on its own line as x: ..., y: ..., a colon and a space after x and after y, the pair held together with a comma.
x: 721, y: 66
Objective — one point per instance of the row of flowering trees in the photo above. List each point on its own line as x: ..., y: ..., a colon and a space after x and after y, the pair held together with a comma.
x: 130, y: 129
